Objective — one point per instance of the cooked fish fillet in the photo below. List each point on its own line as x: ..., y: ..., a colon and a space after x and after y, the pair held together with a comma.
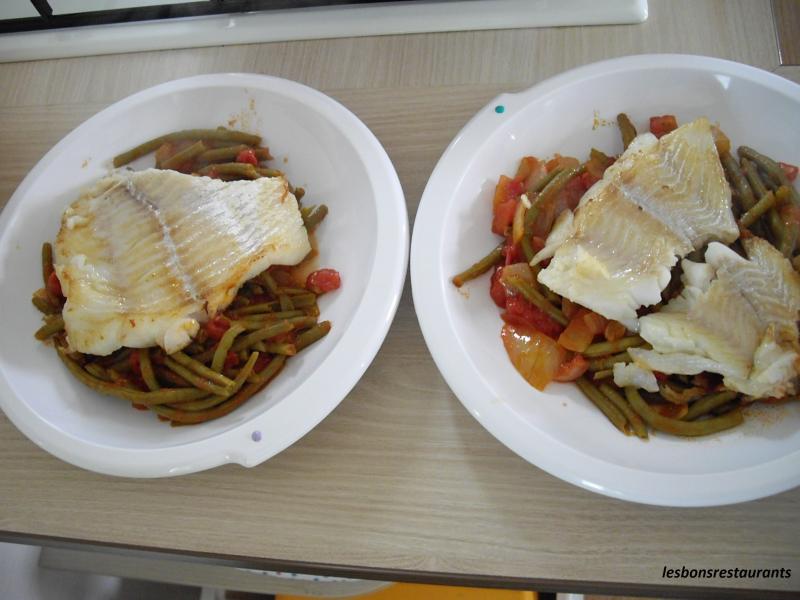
x: 617, y: 259
x: 736, y: 317
x: 144, y: 257
x: 657, y: 202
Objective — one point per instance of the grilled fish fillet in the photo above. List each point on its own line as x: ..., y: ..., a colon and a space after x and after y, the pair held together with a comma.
x: 736, y: 317
x: 658, y: 201
x: 145, y: 257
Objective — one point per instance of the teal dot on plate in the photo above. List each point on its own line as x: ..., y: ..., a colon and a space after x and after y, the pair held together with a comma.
x: 499, y: 109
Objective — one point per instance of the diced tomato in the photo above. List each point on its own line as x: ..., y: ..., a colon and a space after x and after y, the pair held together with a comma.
x: 54, y: 285
x: 323, y: 280
x: 135, y: 362
x: 594, y: 322
x: 572, y: 192
x: 261, y: 362
x: 504, y: 203
x: 614, y: 330
x: 571, y: 369
x: 537, y: 243
x: 217, y: 327
x: 504, y: 216
x: 536, y: 356
x: 519, y: 310
x: 588, y: 179
x: 660, y: 376
x: 496, y: 289
x: 247, y: 156
x: 577, y: 336
x: 232, y: 360
x: 661, y: 126
x: 790, y: 170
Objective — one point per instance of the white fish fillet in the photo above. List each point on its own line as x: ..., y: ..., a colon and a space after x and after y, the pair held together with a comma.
x: 657, y: 202
x: 144, y: 257
x: 736, y: 317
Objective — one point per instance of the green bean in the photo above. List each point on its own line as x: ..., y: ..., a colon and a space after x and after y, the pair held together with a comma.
x: 170, y: 377
x: 608, y: 362
x: 270, y: 371
x: 232, y: 169
x: 532, y: 295
x: 556, y: 184
x: 225, y: 343
x: 224, y: 154
x: 706, y: 404
x: 304, y: 301
x: 285, y: 303
x: 284, y: 348
x: 678, y: 427
x: 254, y: 309
x: 220, y: 134
x: 182, y: 157
x: 542, y: 183
x: 772, y: 169
x: 763, y: 205
x: 41, y: 302
x: 638, y: 426
x: 603, y: 348
x: 309, y: 336
x: 269, y: 283
x: 238, y: 382
x: 626, y: 129
x: 200, y: 369
x: 146, y: 368
x: 751, y: 174
x: 186, y: 417
x: 270, y: 331
x: 796, y: 263
x: 259, y: 321
x: 738, y: 181
x: 52, y: 326
x: 611, y: 412
x: 302, y: 322
x: 163, y: 396
x: 193, y: 378
x: 604, y: 374
x: 97, y: 371
x: 292, y: 291
x: 314, y: 216
x: 479, y: 268
x: 47, y: 262
x: 267, y: 172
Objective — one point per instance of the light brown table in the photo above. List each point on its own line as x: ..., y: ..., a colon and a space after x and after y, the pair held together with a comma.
x: 399, y: 482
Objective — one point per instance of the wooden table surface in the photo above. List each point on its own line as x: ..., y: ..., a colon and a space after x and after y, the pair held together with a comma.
x: 399, y: 482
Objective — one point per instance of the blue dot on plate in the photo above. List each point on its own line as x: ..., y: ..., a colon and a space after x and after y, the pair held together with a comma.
x: 256, y: 436
x: 499, y: 109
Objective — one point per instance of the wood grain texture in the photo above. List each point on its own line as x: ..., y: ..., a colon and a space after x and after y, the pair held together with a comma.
x: 787, y: 29
x: 399, y: 479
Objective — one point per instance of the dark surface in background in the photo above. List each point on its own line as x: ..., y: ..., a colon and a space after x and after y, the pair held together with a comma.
x: 48, y: 20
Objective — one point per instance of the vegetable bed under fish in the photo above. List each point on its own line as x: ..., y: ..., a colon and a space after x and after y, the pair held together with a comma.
x: 184, y: 289
x: 661, y: 281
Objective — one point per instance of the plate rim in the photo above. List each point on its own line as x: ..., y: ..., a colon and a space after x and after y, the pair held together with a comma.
x: 226, y: 447
x: 553, y: 455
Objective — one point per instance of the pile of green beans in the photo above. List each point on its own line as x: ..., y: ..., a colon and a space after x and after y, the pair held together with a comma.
x: 271, y: 318
x: 682, y: 406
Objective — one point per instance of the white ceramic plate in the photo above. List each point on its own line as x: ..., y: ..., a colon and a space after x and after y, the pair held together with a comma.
x: 560, y: 431
x: 323, y: 147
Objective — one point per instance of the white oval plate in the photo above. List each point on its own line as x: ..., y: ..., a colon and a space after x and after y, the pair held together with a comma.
x: 560, y: 431
x: 323, y: 147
